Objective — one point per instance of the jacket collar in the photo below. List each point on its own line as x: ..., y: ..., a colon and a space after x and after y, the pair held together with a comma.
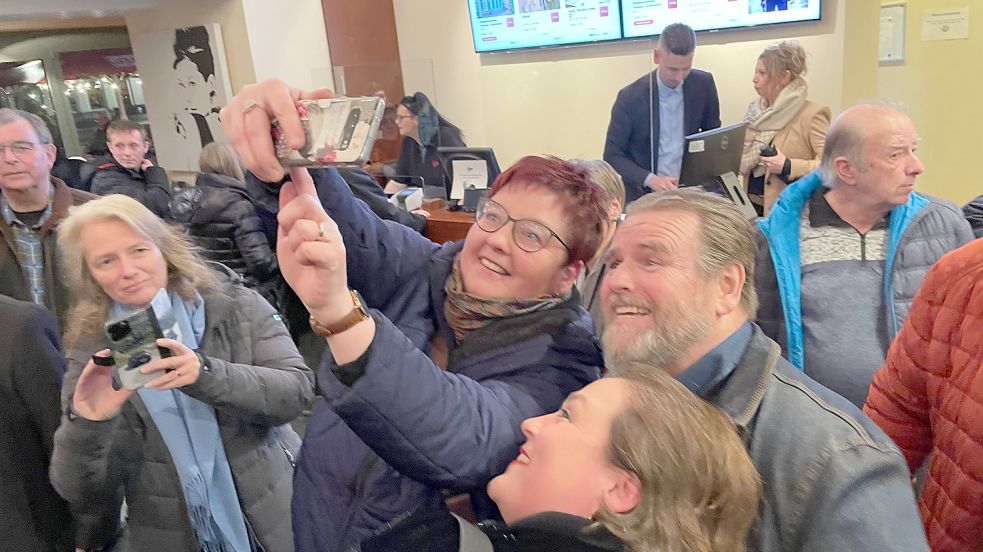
x: 61, y: 202
x: 741, y: 395
x: 787, y: 210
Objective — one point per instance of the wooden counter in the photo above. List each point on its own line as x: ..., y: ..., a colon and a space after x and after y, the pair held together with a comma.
x: 444, y: 226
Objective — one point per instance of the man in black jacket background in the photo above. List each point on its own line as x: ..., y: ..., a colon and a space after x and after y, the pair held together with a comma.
x: 31, y: 367
x: 129, y: 172
x: 652, y: 116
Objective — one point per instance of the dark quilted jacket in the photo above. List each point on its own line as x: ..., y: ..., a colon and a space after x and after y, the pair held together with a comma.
x: 257, y: 384
x: 974, y: 214
x: 386, y: 443
x: 929, y: 398
x: 221, y: 219
x: 150, y: 187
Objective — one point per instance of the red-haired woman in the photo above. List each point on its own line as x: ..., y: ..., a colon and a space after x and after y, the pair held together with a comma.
x: 443, y: 350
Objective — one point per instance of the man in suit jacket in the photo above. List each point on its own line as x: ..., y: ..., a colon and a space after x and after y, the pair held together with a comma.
x: 31, y: 368
x: 653, y: 115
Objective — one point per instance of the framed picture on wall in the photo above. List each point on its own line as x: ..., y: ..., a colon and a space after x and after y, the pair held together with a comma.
x: 185, y: 83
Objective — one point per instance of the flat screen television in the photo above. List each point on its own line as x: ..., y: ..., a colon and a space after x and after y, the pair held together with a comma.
x: 642, y: 18
x: 515, y: 24
x: 498, y: 25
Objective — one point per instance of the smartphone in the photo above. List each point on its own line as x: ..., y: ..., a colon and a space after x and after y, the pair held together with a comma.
x: 133, y: 341
x: 337, y: 132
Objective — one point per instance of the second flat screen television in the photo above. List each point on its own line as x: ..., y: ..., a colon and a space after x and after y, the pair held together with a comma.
x: 498, y: 25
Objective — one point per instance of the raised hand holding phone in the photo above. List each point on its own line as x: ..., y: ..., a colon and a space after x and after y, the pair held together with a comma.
x: 310, y: 249
x: 248, y: 117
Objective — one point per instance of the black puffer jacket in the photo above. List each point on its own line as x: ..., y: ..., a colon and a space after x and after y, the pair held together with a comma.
x: 543, y: 532
x: 974, y: 214
x: 221, y: 219
x: 150, y: 187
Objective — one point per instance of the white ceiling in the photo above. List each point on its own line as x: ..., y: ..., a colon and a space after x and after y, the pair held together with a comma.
x: 14, y: 10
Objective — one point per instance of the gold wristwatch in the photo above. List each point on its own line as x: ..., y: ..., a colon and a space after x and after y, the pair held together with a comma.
x: 356, y: 315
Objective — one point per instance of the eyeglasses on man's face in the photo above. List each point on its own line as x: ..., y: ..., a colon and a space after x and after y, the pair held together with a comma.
x: 529, y: 235
x: 20, y: 148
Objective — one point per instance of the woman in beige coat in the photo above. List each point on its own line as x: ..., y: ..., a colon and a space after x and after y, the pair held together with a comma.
x: 782, y: 117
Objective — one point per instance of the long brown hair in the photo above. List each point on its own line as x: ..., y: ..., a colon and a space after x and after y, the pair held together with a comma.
x: 187, y: 272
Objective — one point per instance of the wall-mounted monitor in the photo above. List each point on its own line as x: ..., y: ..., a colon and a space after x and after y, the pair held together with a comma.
x: 642, y: 18
x: 515, y: 24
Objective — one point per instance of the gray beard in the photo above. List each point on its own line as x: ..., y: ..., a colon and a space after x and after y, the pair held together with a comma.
x: 660, y: 346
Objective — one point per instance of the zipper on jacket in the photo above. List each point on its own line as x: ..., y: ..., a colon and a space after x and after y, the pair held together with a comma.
x: 288, y: 454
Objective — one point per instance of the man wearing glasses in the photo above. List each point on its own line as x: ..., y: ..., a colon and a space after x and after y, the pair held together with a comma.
x: 32, y: 203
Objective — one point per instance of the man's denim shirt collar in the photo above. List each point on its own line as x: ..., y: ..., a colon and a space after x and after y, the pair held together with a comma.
x: 715, y: 367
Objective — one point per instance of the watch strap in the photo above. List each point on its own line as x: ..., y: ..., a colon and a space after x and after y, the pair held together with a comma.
x: 356, y: 315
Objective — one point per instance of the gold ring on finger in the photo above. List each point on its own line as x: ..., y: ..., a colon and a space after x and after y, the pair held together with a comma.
x: 249, y: 105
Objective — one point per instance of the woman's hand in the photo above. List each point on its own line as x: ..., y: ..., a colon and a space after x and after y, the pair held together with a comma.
x: 775, y: 163
x: 178, y: 370
x: 311, y: 251
x: 247, y: 121
x: 94, y: 397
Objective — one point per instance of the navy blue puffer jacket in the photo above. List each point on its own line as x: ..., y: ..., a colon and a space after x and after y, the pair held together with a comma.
x: 386, y: 443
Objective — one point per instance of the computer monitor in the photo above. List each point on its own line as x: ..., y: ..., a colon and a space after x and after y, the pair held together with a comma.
x: 712, y: 161
x: 709, y: 154
x: 450, y: 154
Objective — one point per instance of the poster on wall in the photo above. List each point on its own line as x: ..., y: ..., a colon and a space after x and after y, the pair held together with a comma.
x: 186, y: 82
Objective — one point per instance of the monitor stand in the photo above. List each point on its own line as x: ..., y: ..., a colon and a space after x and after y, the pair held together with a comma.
x: 730, y: 185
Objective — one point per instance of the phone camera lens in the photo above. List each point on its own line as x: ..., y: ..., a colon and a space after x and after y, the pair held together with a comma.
x: 138, y: 360
x: 119, y: 330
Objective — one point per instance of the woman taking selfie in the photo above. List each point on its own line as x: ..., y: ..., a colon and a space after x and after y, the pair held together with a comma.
x: 201, y: 453
x: 634, y: 463
x: 437, y: 353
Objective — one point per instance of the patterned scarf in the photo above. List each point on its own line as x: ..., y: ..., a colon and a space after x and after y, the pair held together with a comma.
x: 764, y: 122
x: 465, y: 312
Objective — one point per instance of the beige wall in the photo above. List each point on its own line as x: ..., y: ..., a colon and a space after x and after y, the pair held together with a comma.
x: 299, y: 55
x: 558, y: 101
x: 940, y: 83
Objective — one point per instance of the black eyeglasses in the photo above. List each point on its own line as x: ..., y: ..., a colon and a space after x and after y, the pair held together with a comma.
x: 529, y: 235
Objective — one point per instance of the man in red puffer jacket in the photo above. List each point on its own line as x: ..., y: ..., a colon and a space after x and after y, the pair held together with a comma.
x: 929, y: 398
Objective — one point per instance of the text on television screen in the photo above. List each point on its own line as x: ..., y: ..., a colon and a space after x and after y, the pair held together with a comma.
x: 647, y: 17
x: 514, y: 24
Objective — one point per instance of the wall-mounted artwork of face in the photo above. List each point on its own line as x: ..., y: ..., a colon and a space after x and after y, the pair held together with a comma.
x: 186, y: 82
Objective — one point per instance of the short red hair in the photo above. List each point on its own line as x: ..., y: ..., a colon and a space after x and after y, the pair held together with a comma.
x: 582, y: 202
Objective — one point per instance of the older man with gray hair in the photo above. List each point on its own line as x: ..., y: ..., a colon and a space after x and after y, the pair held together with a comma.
x: 678, y: 295
x: 32, y: 203
x: 845, y: 248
